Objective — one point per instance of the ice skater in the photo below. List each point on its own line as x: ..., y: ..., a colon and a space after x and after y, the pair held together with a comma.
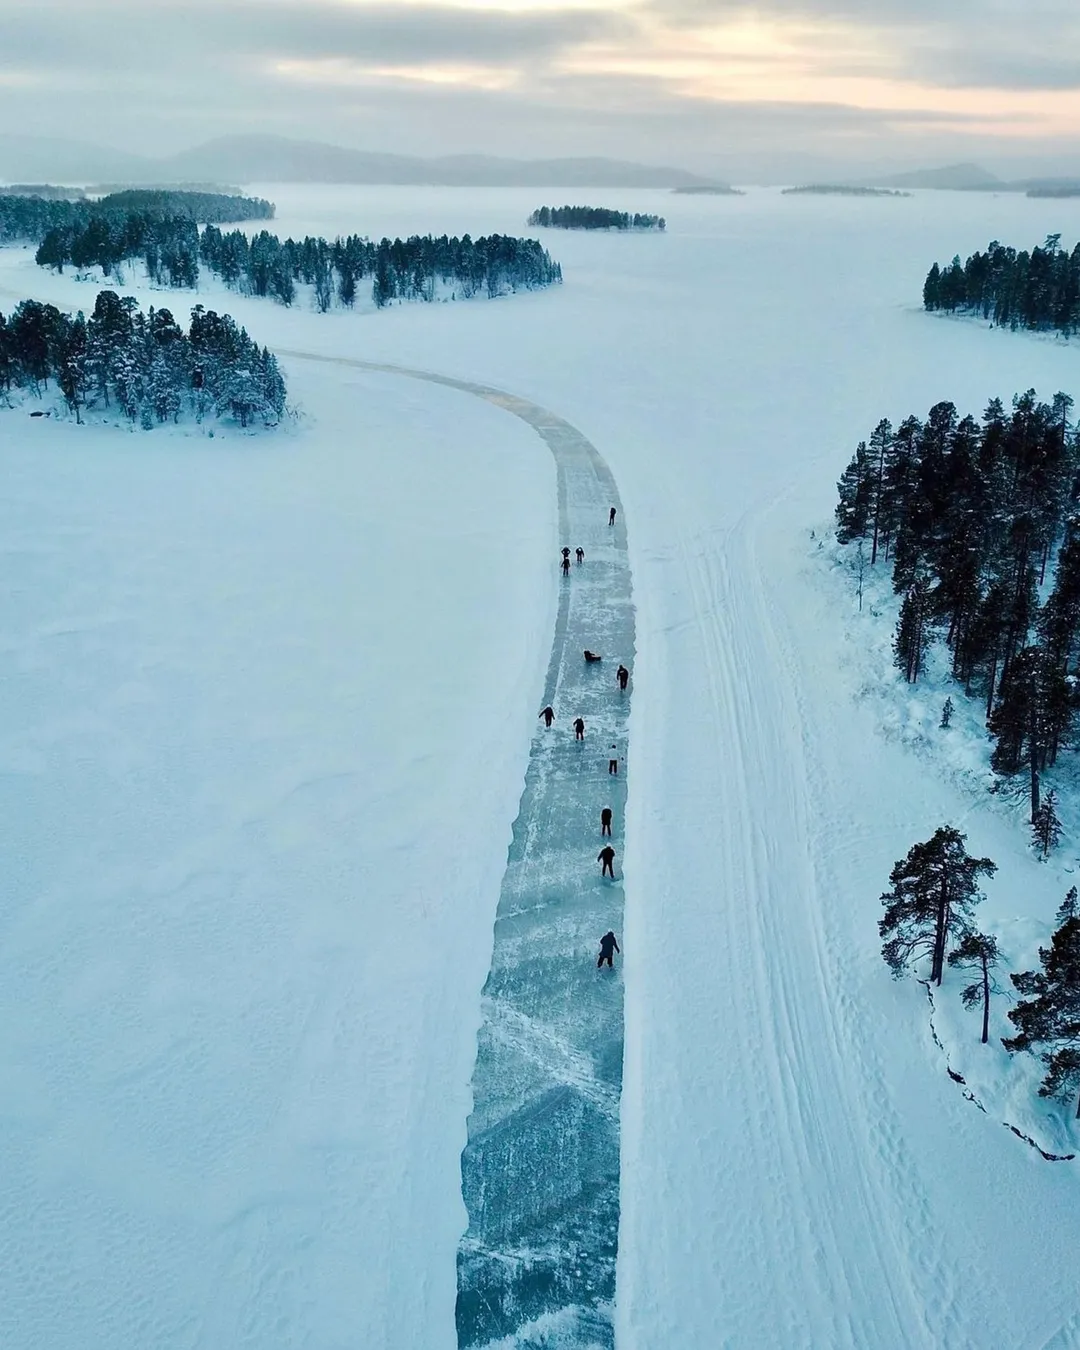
x: 623, y: 676
x: 607, y: 857
x: 608, y: 944
x: 548, y: 714
x: 579, y: 553
x: 579, y: 728
x: 566, y: 566
x: 611, y: 516
x: 613, y: 764
x: 590, y: 657
x: 605, y: 822
x: 566, y: 550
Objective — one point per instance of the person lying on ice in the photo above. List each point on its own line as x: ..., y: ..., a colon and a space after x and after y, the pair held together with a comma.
x: 607, y: 946
x: 592, y: 656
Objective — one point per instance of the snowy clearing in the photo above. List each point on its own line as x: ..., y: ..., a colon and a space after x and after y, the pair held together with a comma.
x: 797, y: 1168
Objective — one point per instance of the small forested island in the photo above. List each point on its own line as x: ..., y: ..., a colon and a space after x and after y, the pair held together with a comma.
x: 592, y: 218
x: 419, y: 268
x: 27, y: 219
x: 1055, y: 190
x: 840, y: 190
x: 708, y: 190
x: 143, y: 365
x: 1036, y: 290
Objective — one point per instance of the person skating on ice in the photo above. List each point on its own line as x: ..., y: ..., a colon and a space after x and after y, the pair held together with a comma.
x: 607, y: 857
x: 548, y: 714
x: 579, y: 728
x: 605, y: 822
x: 608, y: 945
x: 623, y: 676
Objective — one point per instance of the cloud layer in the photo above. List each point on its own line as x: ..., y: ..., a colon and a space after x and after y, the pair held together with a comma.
x: 699, y: 82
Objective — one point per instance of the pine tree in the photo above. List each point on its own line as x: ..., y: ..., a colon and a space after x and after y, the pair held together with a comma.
x: 1049, y: 1017
x: 981, y: 951
x: 913, y: 632
x: 1045, y: 826
x: 934, y: 890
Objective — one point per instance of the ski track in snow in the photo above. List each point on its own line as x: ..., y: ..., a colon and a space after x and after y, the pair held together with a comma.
x: 540, y: 1172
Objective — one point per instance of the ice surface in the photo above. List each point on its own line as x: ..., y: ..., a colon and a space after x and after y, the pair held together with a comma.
x: 796, y: 1167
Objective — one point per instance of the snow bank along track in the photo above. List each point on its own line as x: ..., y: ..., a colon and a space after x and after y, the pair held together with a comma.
x: 540, y: 1171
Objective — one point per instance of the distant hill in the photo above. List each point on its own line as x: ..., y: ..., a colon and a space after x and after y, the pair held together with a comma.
x: 955, y: 177
x: 278, y: 159
x: 44, y: 159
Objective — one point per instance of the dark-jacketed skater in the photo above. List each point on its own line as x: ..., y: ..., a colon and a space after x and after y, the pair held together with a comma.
x: 548, y: 714
x: 623, y: 676
x: 605, y: 822
x: 608, y: 945
x: 613, y: 764
x: 611, y: 516
x: 566, y: 567
x: 579, y: 728
x: 607, y: 857
x: 579, y: 553
x: 566, y: 550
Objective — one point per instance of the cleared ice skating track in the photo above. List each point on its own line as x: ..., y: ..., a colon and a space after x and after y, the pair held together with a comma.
x: 540, y: 1172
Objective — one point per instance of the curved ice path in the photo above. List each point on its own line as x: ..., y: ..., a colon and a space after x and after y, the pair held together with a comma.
x: 540, y: 1171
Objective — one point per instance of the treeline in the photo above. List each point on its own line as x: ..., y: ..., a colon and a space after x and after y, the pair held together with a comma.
x: 979, y: 520
x: 143, y: 364
x: 28, y: 219
x: 1037, y: 290
x: 930, y: 916
x: 593, y: 218
x: 418, y: 268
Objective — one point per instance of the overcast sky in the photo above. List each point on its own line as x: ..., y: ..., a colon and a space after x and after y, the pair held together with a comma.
x: 706, y: 84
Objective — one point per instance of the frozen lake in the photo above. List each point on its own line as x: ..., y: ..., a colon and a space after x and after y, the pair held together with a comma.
x: 268, y: 708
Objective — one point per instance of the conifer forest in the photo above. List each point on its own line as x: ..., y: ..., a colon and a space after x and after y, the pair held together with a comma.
x: 1036, y: 290
x: 145, y: 365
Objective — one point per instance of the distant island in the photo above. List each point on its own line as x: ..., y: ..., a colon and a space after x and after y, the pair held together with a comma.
x: 708, y: 190
x: 1054, y: 190
x: 841, y: 190
x: 592, y: 218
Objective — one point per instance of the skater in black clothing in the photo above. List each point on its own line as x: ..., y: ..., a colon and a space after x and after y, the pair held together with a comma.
x: 607, y: 857
x: 605, y: 821
x: 579, y: 728
x: 548, y: 714
x: 566, y: 567
x: 611, y: 516
x: 566, y: 551
x: 579, y: 553
x: 608, y: 945
x: 590, y: 657
x: 623, y: 676
x: 613, y: 764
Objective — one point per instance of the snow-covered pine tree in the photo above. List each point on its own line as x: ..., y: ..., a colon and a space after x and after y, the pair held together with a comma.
x: 1045, y: 826
x: 855, y: 489
x: 913, y: 631
x: 978, y: 950
x: 1048, y: 1018
x: 934, y: 891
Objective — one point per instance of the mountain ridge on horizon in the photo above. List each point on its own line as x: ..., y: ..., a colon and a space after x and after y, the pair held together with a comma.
x: 270, y: 158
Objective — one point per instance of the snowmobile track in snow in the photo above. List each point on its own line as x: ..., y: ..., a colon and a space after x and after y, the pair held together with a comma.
x: 540, y: 1171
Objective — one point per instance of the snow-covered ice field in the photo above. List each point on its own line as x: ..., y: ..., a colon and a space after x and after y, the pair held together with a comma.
x: 267, y: 709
